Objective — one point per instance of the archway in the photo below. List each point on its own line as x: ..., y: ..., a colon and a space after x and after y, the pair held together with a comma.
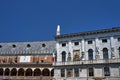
x: 14, y: 72
x: 52, y: 72
x: 7, y: 72
x: 21, y: 72
x: 37, y: 72
x: 29, y: 72
x: 1, y: 71
x: 46, y: 72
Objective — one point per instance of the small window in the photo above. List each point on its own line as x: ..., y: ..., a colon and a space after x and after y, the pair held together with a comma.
x: 28, y: 45
x: 76, y: 72
x: 119, y: 39
x: 63, y: 44
x: 13, y: 45
x: 62, y: 72
x: 91, y: 72
x: 90, y: 42
x: 104, y: 40
x: 76, y: 43
x: 0, y: 46
x: 106, y: 71
x: 43, y: 45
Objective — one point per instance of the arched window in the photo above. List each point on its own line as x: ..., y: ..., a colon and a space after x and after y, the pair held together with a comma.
x: 119, y: 52
x: 63, y: 56
x: 90, y: 54
x: 105, y: 53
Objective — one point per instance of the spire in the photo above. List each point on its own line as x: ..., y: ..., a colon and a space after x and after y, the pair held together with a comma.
x: 58, y: 30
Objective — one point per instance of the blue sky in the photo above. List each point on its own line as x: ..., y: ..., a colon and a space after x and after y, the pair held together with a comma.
x: 37, y: 20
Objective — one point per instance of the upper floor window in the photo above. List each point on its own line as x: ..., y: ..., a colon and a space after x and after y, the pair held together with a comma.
x: 104, y: 40
x: 76, y: 43
x: 13, y: 45
x: 118, y: 39
x: 90, y: 54
x: 90, y: 42
x: 63, y: 56
x: 63, y: 44
x: 28, y: 45
x: 43, y: 45
x: 105, y: 53
x: 0, y: 46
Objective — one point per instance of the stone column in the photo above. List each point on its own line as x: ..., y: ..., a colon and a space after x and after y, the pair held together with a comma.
x: 112, y: 47
x: 83, y: 45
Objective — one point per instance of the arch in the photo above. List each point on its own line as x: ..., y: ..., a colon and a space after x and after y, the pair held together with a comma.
x: 14, y: 72
x: 45, y: 72
x: 1, y: 71
x: 105, y: 53
x: 21, y: 72
x: 37, y: 72
x: 52, y: 72
x: 63, y: 56
x: 119, y: 52
x: 28, y: 72
x: 90, y: 54
x: 7, y: 72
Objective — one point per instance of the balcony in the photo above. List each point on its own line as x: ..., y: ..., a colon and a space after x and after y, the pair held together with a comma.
x: 100, y: 61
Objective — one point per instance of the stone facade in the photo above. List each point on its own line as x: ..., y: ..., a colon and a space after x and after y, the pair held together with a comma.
x: 92, y: 55
x: 27, y: 60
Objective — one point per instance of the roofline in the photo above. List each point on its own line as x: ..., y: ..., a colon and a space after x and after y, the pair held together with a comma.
x: 114, y: 29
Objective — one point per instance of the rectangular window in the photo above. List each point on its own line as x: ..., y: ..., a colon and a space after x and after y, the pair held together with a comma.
x: 63, y: 44
x: 104, y: 40
x: 91, y: 72
x: 119, y: 39
x: 62, y: 72
x: 76, y: 43
x: 76, y: 72
x: 106, y: 71
x: 90, y: 42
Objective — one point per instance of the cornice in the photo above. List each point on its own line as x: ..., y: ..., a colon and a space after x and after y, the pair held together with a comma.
x: 116, y: 29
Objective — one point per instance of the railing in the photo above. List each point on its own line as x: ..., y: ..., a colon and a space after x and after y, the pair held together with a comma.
x: 100, y: 61
x: 25, y: 77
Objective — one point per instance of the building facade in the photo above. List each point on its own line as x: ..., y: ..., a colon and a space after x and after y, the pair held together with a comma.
x: 27, y: 60
x: 92, y: 55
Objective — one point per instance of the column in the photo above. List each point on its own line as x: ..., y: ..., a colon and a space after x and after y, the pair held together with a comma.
x: 112, y: 47
x: 83, y: 45
x: 97, y: 55
x: 83, y: 48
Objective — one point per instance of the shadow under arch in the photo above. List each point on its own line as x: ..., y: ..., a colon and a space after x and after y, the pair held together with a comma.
x: 21, y: 72
x: 46, y: 72
x: 37, y: 72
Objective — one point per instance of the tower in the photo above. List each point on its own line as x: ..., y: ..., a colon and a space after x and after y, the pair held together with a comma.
x: 58, y: 30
